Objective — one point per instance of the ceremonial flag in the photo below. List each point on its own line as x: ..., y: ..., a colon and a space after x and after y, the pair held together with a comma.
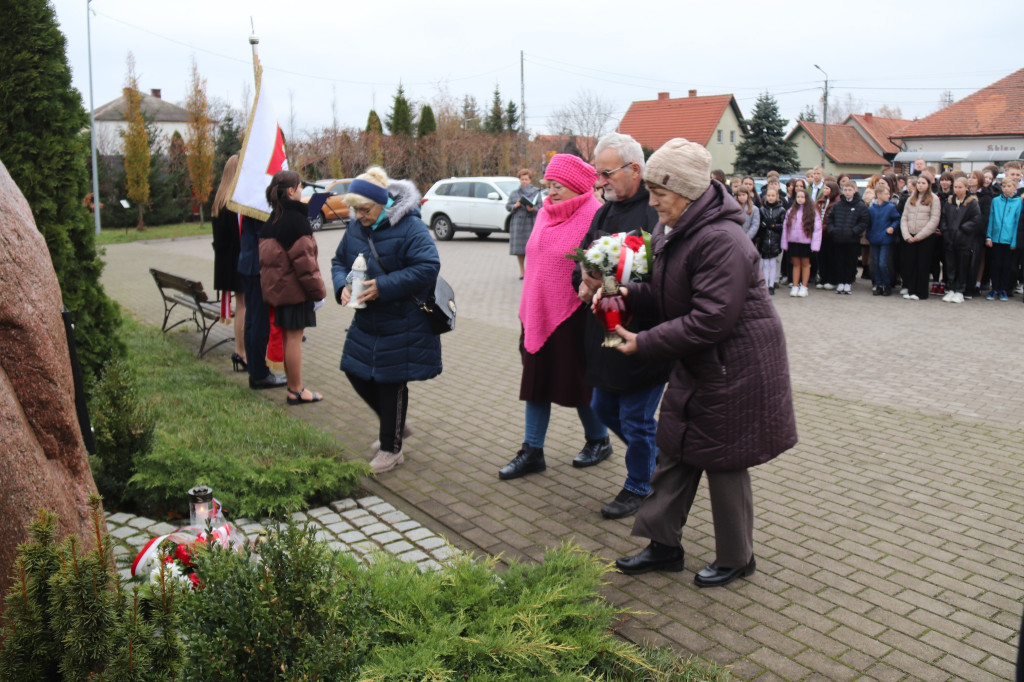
x: 263, y: 154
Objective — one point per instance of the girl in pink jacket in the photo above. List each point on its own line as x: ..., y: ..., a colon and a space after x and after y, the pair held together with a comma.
x: 801, y: 236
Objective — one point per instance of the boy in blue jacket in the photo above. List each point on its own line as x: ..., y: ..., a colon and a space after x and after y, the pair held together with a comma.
x: 885, y: 220
x: 1003, y: 220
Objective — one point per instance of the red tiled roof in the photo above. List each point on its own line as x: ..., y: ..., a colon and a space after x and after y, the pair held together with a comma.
x: 994, y: 110
x: 844, y: 145
x: 880, y: 128
x: 652, y: 123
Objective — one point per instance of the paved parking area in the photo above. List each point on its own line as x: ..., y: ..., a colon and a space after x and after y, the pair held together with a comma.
x: 889, y: 540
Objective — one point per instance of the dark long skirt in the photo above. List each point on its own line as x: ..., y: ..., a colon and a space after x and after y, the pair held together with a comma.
x: 554, y: 374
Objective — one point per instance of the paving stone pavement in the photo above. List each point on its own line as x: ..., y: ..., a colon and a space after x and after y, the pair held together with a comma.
x: 888, y: 540
x: 358, y: 526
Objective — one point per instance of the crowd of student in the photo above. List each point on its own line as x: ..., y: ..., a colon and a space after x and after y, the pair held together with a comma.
x: 951, y: 233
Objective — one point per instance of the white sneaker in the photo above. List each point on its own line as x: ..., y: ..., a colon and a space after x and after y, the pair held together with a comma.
x: 803, y: 291
x: 830, y: 287
x: 1019, y: 289
x: 819, y: 285
x: 904, y: 291
x: 795, y: 291
x: 957, y: 298
x: 950, y: 295
x: 912, y: 297
x: 386, y: 461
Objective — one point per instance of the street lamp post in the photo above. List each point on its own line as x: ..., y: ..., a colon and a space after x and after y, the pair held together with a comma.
x: 92, y: 126
x: 824, y: 115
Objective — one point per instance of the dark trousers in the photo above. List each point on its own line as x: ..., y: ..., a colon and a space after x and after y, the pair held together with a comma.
x: 826, y: 269
x: 663, y: 514
x: 257, y: 328
x: 959, y: 275
x: 844, y: 262
x: 917, y: 263
x: 390, y: 402
x: 1002, y: 268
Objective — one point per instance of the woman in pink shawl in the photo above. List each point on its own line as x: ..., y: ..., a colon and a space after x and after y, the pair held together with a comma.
x: 553, y: 317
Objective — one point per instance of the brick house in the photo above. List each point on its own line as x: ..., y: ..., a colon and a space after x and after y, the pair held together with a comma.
x: 714, y: 121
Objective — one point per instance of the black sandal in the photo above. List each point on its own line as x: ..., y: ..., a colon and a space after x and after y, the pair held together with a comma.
x: 297, y: 399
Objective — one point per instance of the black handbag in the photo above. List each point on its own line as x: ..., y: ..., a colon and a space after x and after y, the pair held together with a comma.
x: 440, y: 308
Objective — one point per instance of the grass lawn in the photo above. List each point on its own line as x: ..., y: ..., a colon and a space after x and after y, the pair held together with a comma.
x: 119, y: 235
x: 209, y: 430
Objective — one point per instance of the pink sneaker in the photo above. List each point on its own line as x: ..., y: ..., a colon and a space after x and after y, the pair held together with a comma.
x: 386, y: 461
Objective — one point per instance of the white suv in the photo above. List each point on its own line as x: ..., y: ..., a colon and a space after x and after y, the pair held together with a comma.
x: 468, y: 204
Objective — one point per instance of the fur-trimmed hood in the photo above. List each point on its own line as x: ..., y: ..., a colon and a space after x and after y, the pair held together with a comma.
x: 406, y: 198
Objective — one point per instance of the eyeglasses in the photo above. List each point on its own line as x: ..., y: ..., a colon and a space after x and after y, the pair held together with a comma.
x: 608, y: 173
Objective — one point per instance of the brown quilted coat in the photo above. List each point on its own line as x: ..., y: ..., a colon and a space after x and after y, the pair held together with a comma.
x: 728, y: 405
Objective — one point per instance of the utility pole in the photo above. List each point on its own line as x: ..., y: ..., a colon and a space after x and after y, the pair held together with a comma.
x: 522, y: 94
x: 824, y: 123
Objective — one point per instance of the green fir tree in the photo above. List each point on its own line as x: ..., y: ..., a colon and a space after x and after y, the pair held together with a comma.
x: 373, y: 124
x: 399, y: 121
x: 512, y: 117
x: 44, y: 150
x: 427, y: 124
x: 495, y: 121
x: 764, y: 146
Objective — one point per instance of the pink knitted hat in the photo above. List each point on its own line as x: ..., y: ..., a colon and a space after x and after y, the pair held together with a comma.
x: 572, y: 172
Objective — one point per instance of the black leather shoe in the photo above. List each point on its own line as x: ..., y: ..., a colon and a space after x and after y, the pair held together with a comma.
x: 529, y: 460
x: 625, y: 504
x: 270, y: 381
x: 717, y: 576
x: 654, y: 557
x: 594, y: 452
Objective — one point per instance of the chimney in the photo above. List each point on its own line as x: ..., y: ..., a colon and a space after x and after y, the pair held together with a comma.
x: 662, y: 96
x: 692, y: 93
x: 155, y: 92
x: 867, y: 117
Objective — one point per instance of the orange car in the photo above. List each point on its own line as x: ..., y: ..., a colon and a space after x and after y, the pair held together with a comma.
x: 334, y: 209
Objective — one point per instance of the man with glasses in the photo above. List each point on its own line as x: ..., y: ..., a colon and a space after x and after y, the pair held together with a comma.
x: 626, y: 390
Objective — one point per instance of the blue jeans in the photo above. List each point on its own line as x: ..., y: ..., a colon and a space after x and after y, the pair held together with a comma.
x: 257, y: 328
x: 880, y: 264
x: 631, y: 417
x: 538, y: 414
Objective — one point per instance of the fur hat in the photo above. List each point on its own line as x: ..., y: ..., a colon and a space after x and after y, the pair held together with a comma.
x: 680, y: 166
x: 572, y: 172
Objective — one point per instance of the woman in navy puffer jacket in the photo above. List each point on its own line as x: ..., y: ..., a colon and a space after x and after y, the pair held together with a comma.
x: 389, y: 342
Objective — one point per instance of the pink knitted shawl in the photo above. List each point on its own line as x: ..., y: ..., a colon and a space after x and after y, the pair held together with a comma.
x: 548, y: 295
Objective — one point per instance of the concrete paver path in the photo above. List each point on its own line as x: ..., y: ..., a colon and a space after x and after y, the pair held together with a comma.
x: 888, y: 540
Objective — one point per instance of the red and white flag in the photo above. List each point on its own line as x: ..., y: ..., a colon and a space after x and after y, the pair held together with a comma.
x: 263, y: 154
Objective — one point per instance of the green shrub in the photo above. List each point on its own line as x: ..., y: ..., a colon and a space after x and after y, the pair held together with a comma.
x: 302, y: 612
x: 124, y: 428
x: 258, y: 460
x: 69, y: 618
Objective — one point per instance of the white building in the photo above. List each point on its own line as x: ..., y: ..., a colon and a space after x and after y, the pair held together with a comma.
x: 167, y: 118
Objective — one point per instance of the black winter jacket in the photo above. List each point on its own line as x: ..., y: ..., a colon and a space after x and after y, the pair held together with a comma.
x: 607, y: 368
x: 961, y: 224
x: 848, y: 220
x: 769, y: 237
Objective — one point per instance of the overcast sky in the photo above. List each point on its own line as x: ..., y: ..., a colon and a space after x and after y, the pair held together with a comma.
x: 355, y: 53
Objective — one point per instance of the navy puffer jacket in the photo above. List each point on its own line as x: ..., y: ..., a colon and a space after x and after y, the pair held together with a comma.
x: 390, y: 340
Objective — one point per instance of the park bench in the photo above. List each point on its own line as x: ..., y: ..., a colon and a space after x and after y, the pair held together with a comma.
x: 188, y: 293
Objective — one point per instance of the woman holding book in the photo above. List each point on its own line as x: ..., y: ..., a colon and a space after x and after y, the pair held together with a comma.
x: 522, y: 203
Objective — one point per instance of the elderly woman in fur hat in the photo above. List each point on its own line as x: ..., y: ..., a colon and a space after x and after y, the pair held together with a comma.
x: 390, y: 342
x: 728, y: 405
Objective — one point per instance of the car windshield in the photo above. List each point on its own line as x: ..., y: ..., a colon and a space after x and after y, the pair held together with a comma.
x: 508, y: 186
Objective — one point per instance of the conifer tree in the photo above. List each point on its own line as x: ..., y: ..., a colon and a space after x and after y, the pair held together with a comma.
x: 495, y: 121
x: 44, y: 150
x: 136, y: 143
x: 470, y: 113
x: 200, y: 142
x: 512, y: 117
x: 373, y: 123
x: 229, y: 142
x: 764, y: 146
x: 427, y: 124
x: 399, y: 121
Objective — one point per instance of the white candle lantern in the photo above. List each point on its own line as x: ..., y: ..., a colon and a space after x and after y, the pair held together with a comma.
x: 200, y: 506
x: 356, y: 276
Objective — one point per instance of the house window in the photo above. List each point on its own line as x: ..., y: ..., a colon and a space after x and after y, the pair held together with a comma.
x: 719, y: 136
x: 732, y: 137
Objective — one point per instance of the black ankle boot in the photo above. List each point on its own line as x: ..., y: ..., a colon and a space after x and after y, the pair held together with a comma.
x: 594, y: 452
x: 529, y: 460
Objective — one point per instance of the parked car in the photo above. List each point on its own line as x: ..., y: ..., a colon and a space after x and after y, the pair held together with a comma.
x: 334, y: 209
x: 468, y: 204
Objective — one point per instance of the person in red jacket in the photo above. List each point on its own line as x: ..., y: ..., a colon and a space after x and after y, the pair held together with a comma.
x: 290, y: 276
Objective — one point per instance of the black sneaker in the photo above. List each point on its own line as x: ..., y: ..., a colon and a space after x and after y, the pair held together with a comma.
x: 594, y: 452
x: 625, y: 504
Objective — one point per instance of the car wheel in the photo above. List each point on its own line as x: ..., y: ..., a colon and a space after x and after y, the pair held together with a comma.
x: 317, y: 223
x: 483, y: 235
x: 442, y: 227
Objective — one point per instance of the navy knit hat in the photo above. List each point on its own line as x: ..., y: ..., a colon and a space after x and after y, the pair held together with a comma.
x: 374, y: 193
